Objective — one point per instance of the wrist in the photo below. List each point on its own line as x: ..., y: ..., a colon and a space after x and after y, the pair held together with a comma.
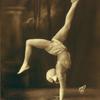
x: 73, y: 1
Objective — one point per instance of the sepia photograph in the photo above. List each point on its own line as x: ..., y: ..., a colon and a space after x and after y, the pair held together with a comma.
x: 49, y: 50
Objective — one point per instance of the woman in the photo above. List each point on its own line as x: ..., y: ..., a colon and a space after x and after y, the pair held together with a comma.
x: 56, y: 48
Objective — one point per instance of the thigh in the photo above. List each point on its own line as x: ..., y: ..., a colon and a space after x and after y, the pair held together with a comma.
x: 39, y: 43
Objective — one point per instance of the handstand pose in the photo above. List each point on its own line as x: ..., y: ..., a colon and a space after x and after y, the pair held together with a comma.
x: 54, y: 47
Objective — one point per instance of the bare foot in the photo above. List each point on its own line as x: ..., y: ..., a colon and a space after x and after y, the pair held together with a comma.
x: 23, y: 68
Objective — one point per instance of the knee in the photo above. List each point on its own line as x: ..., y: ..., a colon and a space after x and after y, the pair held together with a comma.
x: 28, y: 42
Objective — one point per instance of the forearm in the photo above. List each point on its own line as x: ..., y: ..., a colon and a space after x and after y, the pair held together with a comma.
x: 62, y: 81
x: 61, y: 93
x: 63, y: 32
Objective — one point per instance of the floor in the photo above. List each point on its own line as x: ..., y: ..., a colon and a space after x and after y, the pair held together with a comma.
x: 51, y: 94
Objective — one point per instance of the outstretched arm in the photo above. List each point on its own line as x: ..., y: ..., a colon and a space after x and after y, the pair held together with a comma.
x: 63, y: 32
x: 61, y: 75
x: 62, y: 82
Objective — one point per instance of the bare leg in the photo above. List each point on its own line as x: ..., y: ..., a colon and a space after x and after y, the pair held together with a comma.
x: 62, y: 34
x: 38, y: 43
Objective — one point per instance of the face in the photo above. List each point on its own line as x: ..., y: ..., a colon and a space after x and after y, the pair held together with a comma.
x: 53, y: 79
x: 51, y: 76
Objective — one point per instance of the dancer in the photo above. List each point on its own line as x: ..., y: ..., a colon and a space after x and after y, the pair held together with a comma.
x: 56, y: 48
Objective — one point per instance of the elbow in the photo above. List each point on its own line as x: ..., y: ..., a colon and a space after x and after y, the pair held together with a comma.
x: 60, y: 75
